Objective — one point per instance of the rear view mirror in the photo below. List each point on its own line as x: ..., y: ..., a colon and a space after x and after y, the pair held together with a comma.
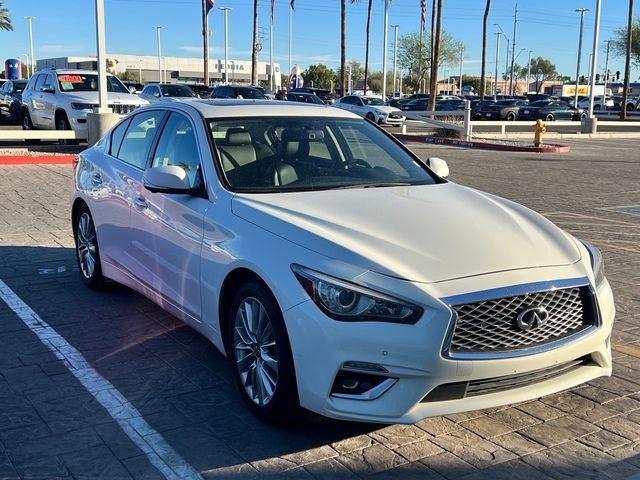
x: 439, y: 166
x: 132, y: 89
x: 166, y: 179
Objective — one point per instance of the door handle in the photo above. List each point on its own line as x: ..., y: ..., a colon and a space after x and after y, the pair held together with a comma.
x: 140, y: 202
x: 96, y: 179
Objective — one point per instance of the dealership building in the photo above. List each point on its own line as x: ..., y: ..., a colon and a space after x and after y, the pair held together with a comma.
x: 173, y: 69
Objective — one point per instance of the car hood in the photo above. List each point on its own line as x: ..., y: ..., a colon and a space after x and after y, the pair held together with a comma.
x: 425, y: 233
x: 112, y: 97
x: 383, y: 108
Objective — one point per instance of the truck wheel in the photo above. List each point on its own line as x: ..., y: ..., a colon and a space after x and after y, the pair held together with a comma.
x: 27, y: 124
x: 62, y: 123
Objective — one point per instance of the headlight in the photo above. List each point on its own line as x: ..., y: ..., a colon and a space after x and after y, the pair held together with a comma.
x: 597, y: 263
x: 83, y: 106
x: 346, y: 301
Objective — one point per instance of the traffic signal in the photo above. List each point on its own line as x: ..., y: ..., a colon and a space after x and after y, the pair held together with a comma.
x: 597, y: 77
x: 581, y: 78
x: 617, y: 74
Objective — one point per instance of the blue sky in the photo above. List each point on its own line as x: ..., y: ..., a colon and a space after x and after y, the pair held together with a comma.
x: 548, y: 27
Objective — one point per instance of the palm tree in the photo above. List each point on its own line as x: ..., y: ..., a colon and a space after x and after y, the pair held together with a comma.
x: 5, y: 18
x: 254, y: 51
x: 627, y: 62
x: 483, y: 73
x: 343, y: 47
x: 366, y: 51
x: 433, y: 84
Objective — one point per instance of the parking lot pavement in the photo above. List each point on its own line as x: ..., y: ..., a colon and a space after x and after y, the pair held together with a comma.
x: 54, y: 425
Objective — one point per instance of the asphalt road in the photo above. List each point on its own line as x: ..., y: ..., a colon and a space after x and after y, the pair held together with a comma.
x: 52, y: 424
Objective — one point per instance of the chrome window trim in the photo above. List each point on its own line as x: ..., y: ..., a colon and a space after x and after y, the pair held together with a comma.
x: 512, y: 291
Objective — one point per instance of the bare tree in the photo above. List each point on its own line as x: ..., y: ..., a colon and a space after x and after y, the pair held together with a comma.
x: 436, y: 57
x: 254, y: 51
x: 627, y: 63
x: 483, y: 70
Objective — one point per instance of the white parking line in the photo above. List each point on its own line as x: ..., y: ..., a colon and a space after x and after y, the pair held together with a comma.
x: 158, y: 451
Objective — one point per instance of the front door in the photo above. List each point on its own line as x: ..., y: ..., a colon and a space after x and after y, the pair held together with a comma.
x: 168, y: 228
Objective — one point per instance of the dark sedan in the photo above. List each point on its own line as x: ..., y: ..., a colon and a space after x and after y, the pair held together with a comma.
x: 416, y: 104
x: 478, y: 105
x: 304, y: 98
x: 450, y: 105
x: 327, y: 96
x: 502, y: 110
x: 399, y: 102
x: 11, y: 99
x: 550, y: 110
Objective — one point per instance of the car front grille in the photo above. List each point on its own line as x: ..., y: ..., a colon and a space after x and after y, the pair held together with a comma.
x: 473, y: 388
x: 490, y: 327
x: 122, y: 109
x: 395, y: 115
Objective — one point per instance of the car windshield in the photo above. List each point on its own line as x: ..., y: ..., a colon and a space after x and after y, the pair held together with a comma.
x: 81, y: 82
x: 280, y: 154
x: 176, y: 91
x: 250, y: 93
x: 372, y: 101
x: 306, y: 98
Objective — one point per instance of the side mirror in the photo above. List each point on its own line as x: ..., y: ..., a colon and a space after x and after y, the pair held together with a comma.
x: 47, y: 90
x: 166, y: 179
x: 132, y: 89
x: 439, y: 166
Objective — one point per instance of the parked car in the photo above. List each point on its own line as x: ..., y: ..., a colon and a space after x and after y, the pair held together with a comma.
x: 478, y: 105
x: 371, y: 108
x: 550, y: 110
x: 327, y: 96
x: 60, y: 99
x: 166, y: 92
x: 304, y: 98
x: 534, y: 97
x: 599, y: 103
x: 398, y: 102
x: 235, y: 91
x: 633, y: 103
x: 267, y: 92
x: 335, y: 269
x: 450, y: 105
x: 11, y: 100
x: 200, y: 89
x: 502, y: 110
x: 416, y: 104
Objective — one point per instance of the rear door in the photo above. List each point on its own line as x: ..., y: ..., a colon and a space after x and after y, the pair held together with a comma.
x: 168, y: 228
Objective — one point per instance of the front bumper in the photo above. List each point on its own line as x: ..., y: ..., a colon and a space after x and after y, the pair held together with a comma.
x: 412, y: 355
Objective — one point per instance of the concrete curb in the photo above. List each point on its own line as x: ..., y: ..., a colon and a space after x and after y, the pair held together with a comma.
x: 483, y: 145
x: 37, y: 159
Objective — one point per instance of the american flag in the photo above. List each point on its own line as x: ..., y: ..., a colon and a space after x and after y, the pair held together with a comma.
x: 423, y: 15
x: 293, y: 4
x: 273, y: 5
x: 210, y: 5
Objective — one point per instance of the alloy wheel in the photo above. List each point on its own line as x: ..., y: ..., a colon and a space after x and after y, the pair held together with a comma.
x: 86, y: 241
x: 256, y: 352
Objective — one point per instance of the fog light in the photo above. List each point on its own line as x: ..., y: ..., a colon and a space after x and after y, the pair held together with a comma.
x: 359, y: 385
x: 366, y: 366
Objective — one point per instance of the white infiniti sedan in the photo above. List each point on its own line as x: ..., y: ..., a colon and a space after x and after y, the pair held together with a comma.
x: 338, y: 272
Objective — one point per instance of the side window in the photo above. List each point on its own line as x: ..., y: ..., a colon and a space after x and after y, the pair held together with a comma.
x: 178, y: 146
x: 32, y: 82
x: 49, y: 81
x: 6, y: 88
x: 137, y: 141
x: 40, y: 81
x: 116, y: 137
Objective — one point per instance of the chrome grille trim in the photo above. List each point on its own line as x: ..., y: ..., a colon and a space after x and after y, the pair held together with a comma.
x: 121, y: 108
x: 498, y: 338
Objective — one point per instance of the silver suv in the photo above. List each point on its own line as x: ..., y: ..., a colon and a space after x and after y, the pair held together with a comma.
x: 60, y: 99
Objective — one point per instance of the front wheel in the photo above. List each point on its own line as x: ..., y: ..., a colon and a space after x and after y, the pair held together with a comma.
x: 87, y: 251
x: 371, y: 117
x: 549, y: 118
x: 259, y: 347
x: 62, y: 123
x: 511, y: 116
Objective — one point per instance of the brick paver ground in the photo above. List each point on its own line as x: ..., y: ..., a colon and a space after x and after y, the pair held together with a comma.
x: 51, y: 427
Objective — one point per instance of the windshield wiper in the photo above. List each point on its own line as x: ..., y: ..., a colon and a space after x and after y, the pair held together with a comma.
x: 373, y: 185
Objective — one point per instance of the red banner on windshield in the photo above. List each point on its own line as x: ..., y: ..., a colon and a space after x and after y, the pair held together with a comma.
x: 70, y: 78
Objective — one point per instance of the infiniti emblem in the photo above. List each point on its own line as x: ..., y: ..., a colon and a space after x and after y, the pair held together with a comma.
x: 532, y: 317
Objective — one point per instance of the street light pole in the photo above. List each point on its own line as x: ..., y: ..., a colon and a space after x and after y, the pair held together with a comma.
x: 495, y: 78
x: 606, y: 72
x: 140, y: 70
x: 513, y: 49
x: 581, y: 11
x: 226, y: 50
x: 102, y: 59
x: 594, y: 60
x: 529, y: 71
x: 33, y: 59
x: 461, y: 67
x: 158, y: 28
x: 395, y: 55
x: 384, y: 49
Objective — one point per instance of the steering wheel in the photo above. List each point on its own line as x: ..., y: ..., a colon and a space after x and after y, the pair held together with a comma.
x: 356, y: 162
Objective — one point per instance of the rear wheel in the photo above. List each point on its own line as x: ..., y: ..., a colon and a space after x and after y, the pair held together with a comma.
x: 549, y: 118
x: 27, y: 124
x: 511, y: 116
x: 87, y: 251
x: 259, y: 347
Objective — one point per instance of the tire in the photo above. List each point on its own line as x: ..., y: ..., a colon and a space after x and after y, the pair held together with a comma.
x: 14, y: 115
x: 549, y: 118
x: 511, y: 116
x: 371, y: 117
x: 596, y: 107
x: 630, y: 107
x: 62, y: 123
x: 27, y: 124
x: 268, y: 387
x: 583, y: 115
x: 87, y: 251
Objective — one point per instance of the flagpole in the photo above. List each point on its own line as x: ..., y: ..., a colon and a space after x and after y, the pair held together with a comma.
x: 290, y: 32
x: 205, y: 37
x: 271, y: 49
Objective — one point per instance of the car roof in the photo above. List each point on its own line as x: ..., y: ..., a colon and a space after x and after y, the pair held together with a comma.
x: 213, y: 108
